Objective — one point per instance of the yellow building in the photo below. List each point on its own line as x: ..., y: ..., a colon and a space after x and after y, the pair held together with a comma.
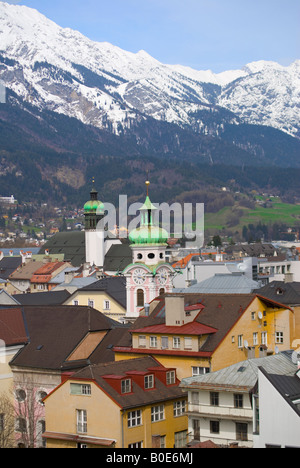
x: 200, y: 333
x: 126, y: 404
x: 107, y: 295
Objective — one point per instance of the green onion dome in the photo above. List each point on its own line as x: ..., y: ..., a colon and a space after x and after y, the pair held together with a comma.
x: 148, y: 235
x: 93, y: 206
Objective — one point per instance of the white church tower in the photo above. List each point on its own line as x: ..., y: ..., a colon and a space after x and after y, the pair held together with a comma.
x: 94, y: 237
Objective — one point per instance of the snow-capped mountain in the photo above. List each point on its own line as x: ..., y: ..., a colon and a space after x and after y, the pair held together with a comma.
x: 104, y: 86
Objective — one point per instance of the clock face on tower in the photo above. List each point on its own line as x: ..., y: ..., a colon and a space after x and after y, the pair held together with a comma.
x: 162, y: 276
x: 139, y: 276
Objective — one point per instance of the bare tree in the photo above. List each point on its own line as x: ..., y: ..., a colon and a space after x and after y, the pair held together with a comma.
x: 7, y: 421
x: 29, y: 413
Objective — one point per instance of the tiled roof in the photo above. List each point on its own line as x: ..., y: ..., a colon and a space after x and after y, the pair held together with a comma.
x: 193, y: 328
x: 138, y: 397
x: 13, y: 326
x: 54, y: 333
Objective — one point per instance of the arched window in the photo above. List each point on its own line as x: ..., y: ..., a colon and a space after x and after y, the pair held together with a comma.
x: 140, y: 298
x: 161, y: 291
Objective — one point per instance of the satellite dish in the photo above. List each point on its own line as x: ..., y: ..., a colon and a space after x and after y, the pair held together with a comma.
x: 260, y: 315
x: 242, y: 267
x: 246, y: 344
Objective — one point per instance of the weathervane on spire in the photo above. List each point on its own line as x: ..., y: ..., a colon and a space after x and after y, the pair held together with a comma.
x: 147, y: 183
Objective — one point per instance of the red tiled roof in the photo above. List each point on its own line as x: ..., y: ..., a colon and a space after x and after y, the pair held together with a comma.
x: 192, y: 328
x: 166, y: 352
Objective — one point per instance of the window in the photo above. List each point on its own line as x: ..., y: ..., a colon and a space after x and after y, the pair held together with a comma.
x: 195, y: 398
x: 157, y: 413
x: 180, y: 439
x: 140, y: 298
x: 279, y: 337
x: 162, y: 443
x: 142, y: 341
x: 164, y: 342
x: 214, y: 398
x: 253, y: 315
x: 161, y: 291
x: 134, y: 418
x: 106, y: 305
x: 255, y: 339
x: 214, y: 427
x: 75, y: 303
x: 91, y: 303
x: 200, y: 371
x: 176, y: 342
x: 153, y: 342
x: 40, y: 429
x: 264, y: 338
x: 240, y: 341
x: 178, y: 408
x: 171, y: 378
x: 187, y: 343
x: 136, y: 445
x: 82, y: 421
x: 21, y: 395
x: 149, y: 381
x: 80, y: 389
x: 241, y: 431
x: 126, y: 386
x: 238, y: 400
x: 21, y: 425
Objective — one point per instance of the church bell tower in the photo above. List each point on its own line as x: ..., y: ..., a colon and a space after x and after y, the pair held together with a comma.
x: 94, y: 235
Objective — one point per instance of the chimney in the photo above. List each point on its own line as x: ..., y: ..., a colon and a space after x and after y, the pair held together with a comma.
x: 175, y: 313
x: 288, y: 277
x: 69, y: 275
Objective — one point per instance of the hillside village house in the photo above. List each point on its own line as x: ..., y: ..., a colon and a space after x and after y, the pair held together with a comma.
x: 127, y: 404
x: 197, y: 334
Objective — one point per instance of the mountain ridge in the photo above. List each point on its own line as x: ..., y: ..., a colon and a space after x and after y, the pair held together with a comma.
x: 165, y: 92
x: 74, y: 103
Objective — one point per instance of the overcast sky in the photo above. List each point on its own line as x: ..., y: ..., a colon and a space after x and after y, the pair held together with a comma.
x: 203, y: 34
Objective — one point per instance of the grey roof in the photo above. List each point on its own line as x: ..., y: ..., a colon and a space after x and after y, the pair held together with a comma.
x: 115, y: 286
x: 71, y: 244
x: 279, y: 291
x: 60, y: 278
x: 244, y: 373
x: 8, y: 265
x: 118, y: 257
x: 43, y: 298
x: 223, y: 283
x: 7, y: 299
x: 76, y: 283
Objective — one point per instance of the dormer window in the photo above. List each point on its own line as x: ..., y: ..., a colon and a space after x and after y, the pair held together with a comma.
x: 149, y: 381
x: 171, y: 377
x: 126, y: 386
